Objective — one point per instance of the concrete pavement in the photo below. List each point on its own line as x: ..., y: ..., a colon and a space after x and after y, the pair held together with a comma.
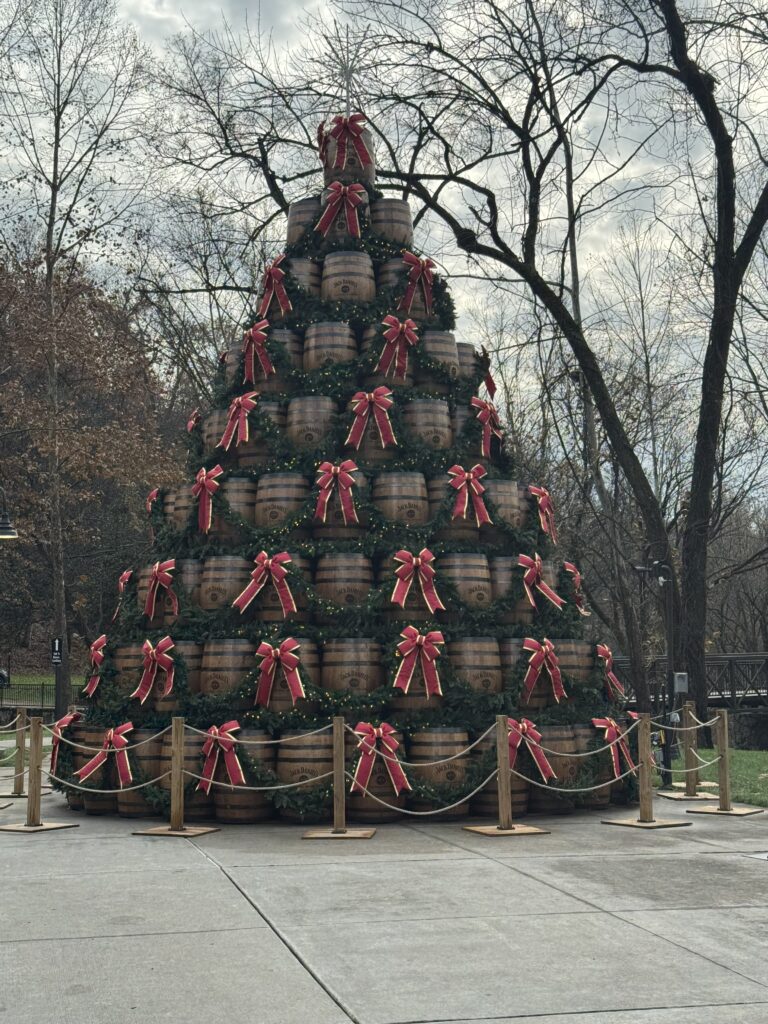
x: 423, y: 923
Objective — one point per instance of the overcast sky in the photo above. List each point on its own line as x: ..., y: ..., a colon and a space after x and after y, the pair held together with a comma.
x: 158, y: 19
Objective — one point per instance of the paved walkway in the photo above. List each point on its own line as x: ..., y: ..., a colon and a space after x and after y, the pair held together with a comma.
x: 424, y: 923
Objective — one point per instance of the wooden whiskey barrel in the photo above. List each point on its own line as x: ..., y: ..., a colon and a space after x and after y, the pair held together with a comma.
x: 588, y: 738
x: 477, y: 662
x: 164, y: 614
x: 459, y: 417
x: 348, y: 277
x: 440, y: 346
x: 237, y: 806
x: 371, y: 449
x: 197, y: 806
x: 354, y: 170
x: 106, y: 776
x: 225, y: 665
x: 392, y: 219
x: 505, y: 496
x: 352, y: 665
x: 233, y: 365
x: 267, y: 606
x: 577, y: 659
x: 512, y: 654
x: 279, y: 340
x: 415, y: 609
x: 145, y: 765
x: 192, y: 653
x: 302, y: 217
x: 339, y: 230
x: 566, y: 767
x: 334, y: 527
x: 76, y: 734
x: 504, y: 572
x: 328, y: 342
x: 255, y: 452
x: 470, y: 575
x: 280, y: 700
x: 184, y: 508
x: 435, y: 745
x: 429, y: 422
x: 169, y: 501
x: 486, y: 803
x: 310, y: 420
x: 439, y: 488
x: 224, y: 578
x: 212, y: 429
x: 279, y: 498
x: 373, y: 338
x: 402, y: 497
x: 394, y: 274
x: 468, y: 363
x: 189, y: 575
x: 307, y: 274
x: 303, y: 757
x: 344, y: 579
x: 364, y: 808
x: 128, y: 662
x: 240, y: 494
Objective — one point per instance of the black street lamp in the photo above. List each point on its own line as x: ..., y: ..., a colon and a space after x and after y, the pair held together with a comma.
x: 7, y: 529
x: 663, y: 573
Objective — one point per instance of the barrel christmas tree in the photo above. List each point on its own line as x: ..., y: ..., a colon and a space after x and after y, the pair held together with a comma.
x: 352, y: 540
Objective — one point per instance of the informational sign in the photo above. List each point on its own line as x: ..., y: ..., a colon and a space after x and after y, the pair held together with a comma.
x: 56, y: 650
x: 681, y: 682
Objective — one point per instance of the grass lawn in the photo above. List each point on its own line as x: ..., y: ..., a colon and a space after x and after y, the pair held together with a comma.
x: 749, y: 775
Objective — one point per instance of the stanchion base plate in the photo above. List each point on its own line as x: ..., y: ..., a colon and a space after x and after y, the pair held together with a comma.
x: 668, y: 794
x: 348, y: 833
x: 45, y: 791
x: 188, y: 832
x: 735, y: 812
x: 516, y: 830
x: 635, y: 823
x: 701, y: 785
x: 46, y: 826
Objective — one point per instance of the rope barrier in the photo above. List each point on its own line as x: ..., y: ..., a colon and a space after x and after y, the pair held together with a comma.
x: 263, y: 743
x: 575, y: 789
x: 12, y: 778
x: 429, y: 764
x: 92, y: 789
x: 9, y: 726
x: 422, y: 814
x: 258, y: 789
x: 682, y: 728
x: 702, y: 764
x: 97, y: 750
x: 597, y: 750
x: 704, y: 725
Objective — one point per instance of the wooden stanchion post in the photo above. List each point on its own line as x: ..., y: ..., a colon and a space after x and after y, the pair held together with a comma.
x: 34, y: 822
x: 21, y: 742
x: 689, y: 746
x: 339, y: 830
x: 724, y: 764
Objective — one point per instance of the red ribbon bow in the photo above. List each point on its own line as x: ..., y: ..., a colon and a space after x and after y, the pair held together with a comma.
x: 612, y: 683
x: 615, y: 736
x: 155, y: 658
x: 345, y: 130
x: 542, y: 656
x: 578, y: 596
x: 416, y: 565
x: 56, y: 731
x: 122, y: 583
x: 193, y: 420
x: 401, y: 334
x: 255, y: 347
x: 268, y: 567
x: 375, y: 741
x: 340, y: 476
x: 114, y: 743
x: 238, y: 420
x: 420, y: 273
x: 348, y: 196
x: 97, y: 660
x: 378, y: 400
x: 526, y: 730
x: 204, y: 488
x: 274, y: 288
x: 161, y: 577
x: 489, y: 418
x: 151, y: 499
x: 220, y: 740
x: 467, y: 484
x: 285, y: 656
x: 532, y: 578
x: 546, y: 510
x: 425, y: 648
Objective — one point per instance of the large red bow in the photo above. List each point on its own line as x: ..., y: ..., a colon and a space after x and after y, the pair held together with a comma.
x: 122, y: 583
x: 616, y: 737
x: 546, y: 510
x: 114, y: 742
x: 399, y: 336
x: 285, y: 656
x: 466, y: 483
x: 160, y: 576
x: 578, y: 596
x: 379, y: 740
x: 56, y: 731
x: 97, y: 660
x: 220, y: 740
x: 274, y: 287
x: 420, y: 272
x: 238, y: 420
x: 345, y: 130
x: 425, y: 648
x: 532, y: 579
x: 193, y: 421
x: 413, y: 565
x: 348, y: 196
x: 341, y: 476
x: 268, y: 568
x: 526, y: 730
x: 255, y: 347
x: 612, y: 683
x: 378, y: 400
x: 489, y: 418
x: 204, y: 488
x: 151, y: 499
x: 542, y: 656
x: 155, y: 658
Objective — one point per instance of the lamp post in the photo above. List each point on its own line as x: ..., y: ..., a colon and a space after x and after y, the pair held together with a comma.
x: 664, y: 576
x: 7, y: 529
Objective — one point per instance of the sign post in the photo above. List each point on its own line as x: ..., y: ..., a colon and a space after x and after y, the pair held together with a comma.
x: 56, y: 659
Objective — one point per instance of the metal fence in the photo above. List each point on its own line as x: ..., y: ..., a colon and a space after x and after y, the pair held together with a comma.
x: 35, y: 695
x: 732, y: 679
